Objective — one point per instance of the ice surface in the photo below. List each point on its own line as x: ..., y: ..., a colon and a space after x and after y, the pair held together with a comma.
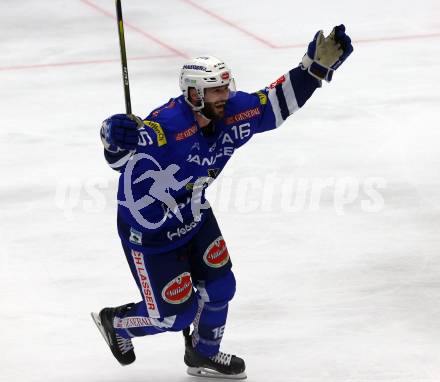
x: 327, y: 291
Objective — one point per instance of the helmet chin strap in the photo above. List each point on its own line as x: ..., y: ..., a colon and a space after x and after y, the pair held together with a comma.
x: 198, y: 109
x: 195, y: 107
x: 199, y: 112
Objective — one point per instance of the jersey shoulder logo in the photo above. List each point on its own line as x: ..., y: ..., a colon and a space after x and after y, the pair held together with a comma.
x: 262, y: 97
x: 157, y: 128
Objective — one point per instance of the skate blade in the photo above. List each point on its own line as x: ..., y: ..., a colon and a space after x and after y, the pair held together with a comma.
x: 208, y: 373
x: 97, y: 320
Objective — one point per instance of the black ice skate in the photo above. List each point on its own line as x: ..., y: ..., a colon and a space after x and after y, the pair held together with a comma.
x: 122, y: 348
x: 222, y: 365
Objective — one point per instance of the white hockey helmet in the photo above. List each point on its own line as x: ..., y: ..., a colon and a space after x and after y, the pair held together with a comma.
x: 201, y: 73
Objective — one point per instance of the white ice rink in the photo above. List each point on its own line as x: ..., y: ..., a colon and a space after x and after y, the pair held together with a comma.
x: 333, y: 286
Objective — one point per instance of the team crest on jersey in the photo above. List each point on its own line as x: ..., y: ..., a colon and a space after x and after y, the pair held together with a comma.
x: 216, y: 255
x: 178, y: 290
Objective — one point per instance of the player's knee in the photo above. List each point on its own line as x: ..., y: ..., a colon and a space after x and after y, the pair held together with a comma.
x: 186, y: 317
x: 219, y: 290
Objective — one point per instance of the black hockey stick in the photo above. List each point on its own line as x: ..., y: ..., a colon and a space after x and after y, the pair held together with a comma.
x: 123, y: 57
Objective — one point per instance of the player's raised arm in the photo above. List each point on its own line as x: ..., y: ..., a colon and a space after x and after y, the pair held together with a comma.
x: 120, y: 136
x: 292, y: 90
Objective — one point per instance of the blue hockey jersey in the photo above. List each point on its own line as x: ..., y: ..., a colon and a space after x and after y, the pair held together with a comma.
x: 174, y: 160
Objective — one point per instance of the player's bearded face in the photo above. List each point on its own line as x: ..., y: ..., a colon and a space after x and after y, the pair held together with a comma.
x: 214, y: 110
x: 215, y: 102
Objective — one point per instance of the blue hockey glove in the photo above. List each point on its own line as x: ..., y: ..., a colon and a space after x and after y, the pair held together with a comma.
x: 121, y: 131
x: 325, y: 54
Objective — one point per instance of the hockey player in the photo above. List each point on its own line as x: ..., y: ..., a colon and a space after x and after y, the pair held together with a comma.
x: 169, y: 234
